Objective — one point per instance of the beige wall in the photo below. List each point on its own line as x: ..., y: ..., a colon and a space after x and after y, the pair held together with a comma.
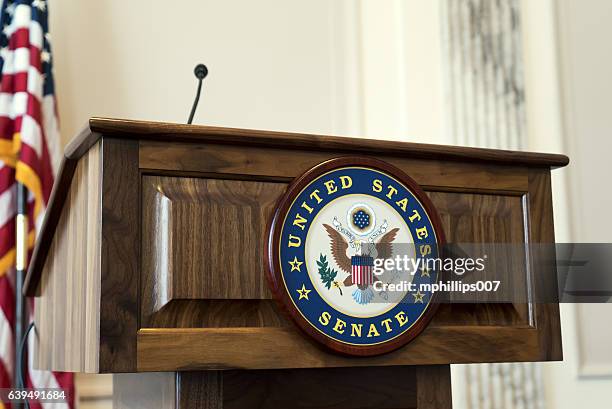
x: 270, y: 61
x: 343, y: 67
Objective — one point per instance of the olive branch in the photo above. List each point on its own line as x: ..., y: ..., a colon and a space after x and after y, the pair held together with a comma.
x: 327, y: 274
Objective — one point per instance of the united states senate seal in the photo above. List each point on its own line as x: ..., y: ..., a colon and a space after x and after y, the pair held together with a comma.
x: 334, y: 251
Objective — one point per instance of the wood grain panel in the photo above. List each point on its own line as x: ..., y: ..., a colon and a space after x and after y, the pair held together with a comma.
x: 266, y: 348
x: 200, y: 390
x: 544, y: 278
x: 480, y: 218
x: 119, y: 245
x: 215, y: 314
x: 203, y: 239
x: 67, y: 312
x: 290, y: 163
x: 486, y: 219
x: 434, y: 387
x: 180, y: 283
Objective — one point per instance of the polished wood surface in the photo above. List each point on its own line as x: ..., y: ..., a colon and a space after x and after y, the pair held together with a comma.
x: 234, y: 313
x: 544, y: 277
x: 167, y: 299
x: 434, y: 387
x: 120, y: 249
x: 202, y: 237
x: 67, y: 311
x: 486, y: 219
x: 162, y: 131
x: 264, y: 348
x: 185, y: 159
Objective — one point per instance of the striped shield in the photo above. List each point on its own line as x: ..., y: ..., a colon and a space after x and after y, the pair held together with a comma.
x: 362, y: 270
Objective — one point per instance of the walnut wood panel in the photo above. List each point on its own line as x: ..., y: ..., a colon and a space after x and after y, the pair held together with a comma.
x: 119, y: 245
x: 434, y: 387
x: 267, y: 348
x: 202, y: 240
x: 191, y: 280
x: 544, y: 278
x: 487, y: 219
x: 215, y: 314
x: 289, y: 163
x: 67, y: 312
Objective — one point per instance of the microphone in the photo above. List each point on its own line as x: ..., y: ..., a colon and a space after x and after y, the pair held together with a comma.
x: 200, y: 72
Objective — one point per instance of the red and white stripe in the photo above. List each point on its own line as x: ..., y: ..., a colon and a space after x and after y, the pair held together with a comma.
x: 362, y: 275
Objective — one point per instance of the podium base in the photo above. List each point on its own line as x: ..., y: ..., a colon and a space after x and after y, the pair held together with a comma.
x: 392, y: 387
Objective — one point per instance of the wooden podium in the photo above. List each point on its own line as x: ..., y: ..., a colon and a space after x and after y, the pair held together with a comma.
x: 150, y: 263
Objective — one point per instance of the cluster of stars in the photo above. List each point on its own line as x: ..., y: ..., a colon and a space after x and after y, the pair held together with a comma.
x: 361, y: 219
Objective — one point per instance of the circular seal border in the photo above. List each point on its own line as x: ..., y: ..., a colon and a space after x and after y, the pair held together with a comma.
x: 274, y: 273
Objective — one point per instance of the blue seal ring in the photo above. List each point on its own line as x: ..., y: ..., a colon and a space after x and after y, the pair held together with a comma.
x: 292, y: 286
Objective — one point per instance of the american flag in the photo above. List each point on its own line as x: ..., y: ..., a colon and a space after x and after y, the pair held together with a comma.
x: 30, y: 151
x: 362, y: 270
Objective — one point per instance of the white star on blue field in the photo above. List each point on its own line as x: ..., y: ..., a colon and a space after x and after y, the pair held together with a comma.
x: 361, y: 219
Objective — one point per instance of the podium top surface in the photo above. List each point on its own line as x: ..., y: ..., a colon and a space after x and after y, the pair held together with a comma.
x: 172, y: 132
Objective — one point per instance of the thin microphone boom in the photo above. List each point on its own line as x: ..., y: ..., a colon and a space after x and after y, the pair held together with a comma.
x: 200, y: 72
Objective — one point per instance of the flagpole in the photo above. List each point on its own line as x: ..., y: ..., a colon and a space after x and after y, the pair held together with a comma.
x: 21, y: 250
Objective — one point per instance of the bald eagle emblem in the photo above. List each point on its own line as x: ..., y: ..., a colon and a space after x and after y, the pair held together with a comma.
x: 359, y: 265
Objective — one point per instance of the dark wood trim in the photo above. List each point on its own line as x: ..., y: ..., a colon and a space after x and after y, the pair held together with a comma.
x: 202, y: 390
x: 273, y: 268
x: 250, y: 137
x: 120, y: 250
x: 434, y: 387
x: 541, y: 230
x: 392, y: 387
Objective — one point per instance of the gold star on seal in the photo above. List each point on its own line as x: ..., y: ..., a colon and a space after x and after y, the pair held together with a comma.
x: 295, y: 264
x: 418, y: 297
x: 303, y: 292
